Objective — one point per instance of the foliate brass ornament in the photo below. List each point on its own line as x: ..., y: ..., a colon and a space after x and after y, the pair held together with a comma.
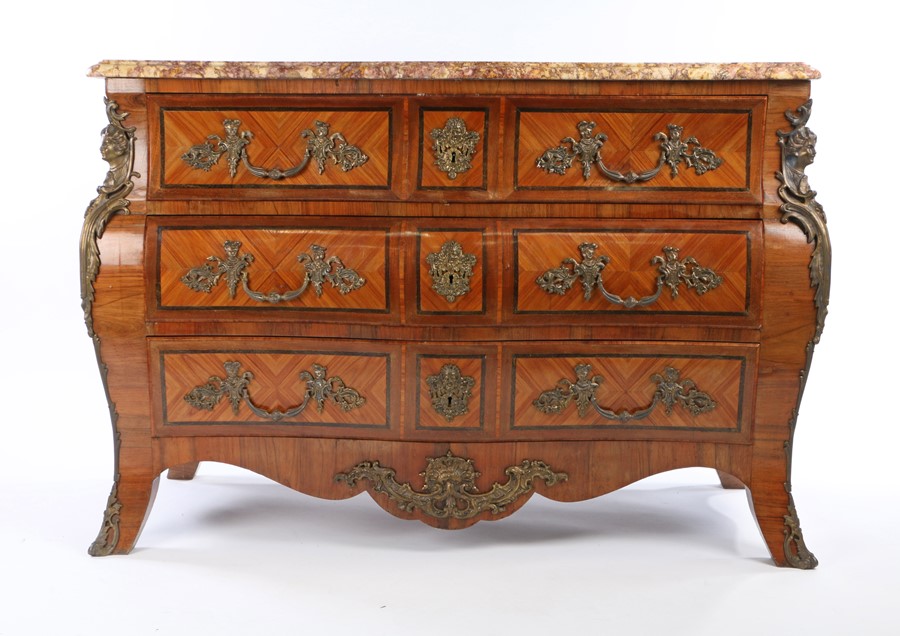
x: 673, y: 150
x: 671, y: 390
x: 450, y: 270
x: 117, y: 149
x: 449, y: 490
x: 320, y: 146
x: 454, y: 147
x: 108, y: 537
x: 672, y: 274
x: 798, y: 150
x: 204, y: 156
x: 318, y: 270
x: 795, y: 551
x: 450, y: 391
x: 235, y: 387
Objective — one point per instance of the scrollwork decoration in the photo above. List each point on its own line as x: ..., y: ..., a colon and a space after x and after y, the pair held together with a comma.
x: 117, y: 149
x: 454, y: 147
x: 795, y: 551
x: 318, y: 270
x: 451, y: 269
x: 798, y: 150
x: 671, y: 390
x: 108, y: 537
x: 320, y: 145
x: 235, y: 387
x: 673, y: 150
x: 450, y: 391
x: 672, y: 273
x: 449, y: 490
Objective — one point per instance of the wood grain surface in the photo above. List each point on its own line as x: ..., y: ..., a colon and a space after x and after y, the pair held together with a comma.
x: 744, y: 343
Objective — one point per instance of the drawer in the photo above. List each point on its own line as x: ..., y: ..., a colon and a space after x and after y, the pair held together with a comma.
x: 464, y: 391
x: 336, y: 269
x: 452, y: 272
x: 642, y: 149
x: 258, y: 268
x: 243, y: 147
x: 591, y: 390
x: 451, y: 391
x: 252, y: 386
x: 690, y: 272
x: 455, y: 147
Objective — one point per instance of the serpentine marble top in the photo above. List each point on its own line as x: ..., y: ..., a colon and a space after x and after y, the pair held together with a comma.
x: 454, y: 70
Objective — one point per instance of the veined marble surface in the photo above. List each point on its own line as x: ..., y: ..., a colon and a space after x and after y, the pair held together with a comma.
x: 454, y: 70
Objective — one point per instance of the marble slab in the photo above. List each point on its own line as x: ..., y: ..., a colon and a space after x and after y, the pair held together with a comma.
x: 455, y: 70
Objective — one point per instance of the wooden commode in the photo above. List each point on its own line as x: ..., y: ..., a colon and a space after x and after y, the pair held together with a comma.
x: 455, y: 284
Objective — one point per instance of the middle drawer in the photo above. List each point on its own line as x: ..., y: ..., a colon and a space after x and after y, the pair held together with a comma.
x: 454, y: 272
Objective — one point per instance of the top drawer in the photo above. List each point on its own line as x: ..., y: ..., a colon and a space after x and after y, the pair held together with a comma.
x: 652, y: 149
x: 244, y: 147
x: 662, y: 149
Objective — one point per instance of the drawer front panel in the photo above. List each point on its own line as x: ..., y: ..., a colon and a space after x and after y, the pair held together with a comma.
x: 277, y: 267
x: 451, y: 391
x: 455, y: 273
x: 632, y: 391
x: 453, y: 149
x: 206, y: 387
x: 578, y: 273
x: 700, y: 149
x: 235, y: 150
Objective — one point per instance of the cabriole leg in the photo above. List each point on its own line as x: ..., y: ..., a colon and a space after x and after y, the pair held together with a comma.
x: 127, y: 508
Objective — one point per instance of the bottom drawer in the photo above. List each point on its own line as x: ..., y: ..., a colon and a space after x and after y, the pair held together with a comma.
x: 247, y: 386
x: 629, y: 391
x: 453, y: 391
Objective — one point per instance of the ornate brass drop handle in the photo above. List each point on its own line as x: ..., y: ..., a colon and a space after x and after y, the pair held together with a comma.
x: 450, y: 490
x: 672, y: 273
x: 673, y: 149
x: 235, y: 387
x: 318, y: 270
x: 670, y: 390
x: 319, y: 146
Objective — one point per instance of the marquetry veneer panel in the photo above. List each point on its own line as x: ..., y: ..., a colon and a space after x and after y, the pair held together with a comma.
x: 276, y: 384
x: 628, y: 383
x: 456, y: 410
x: 731, y: 130
x: 636, y: 254
x: 275, y: 266
x: 430, y: 176
x: 274, y: 136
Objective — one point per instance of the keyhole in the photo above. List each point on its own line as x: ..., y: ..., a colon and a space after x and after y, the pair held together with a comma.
x: 452, y: 157
x: 449, y: 402
x: 451, y: 279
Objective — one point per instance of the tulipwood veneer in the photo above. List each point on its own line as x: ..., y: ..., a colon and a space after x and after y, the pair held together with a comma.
x: 455, y: 285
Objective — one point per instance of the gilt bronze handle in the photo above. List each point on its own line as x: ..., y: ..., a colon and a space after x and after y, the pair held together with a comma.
x: 235, y: 387
x: 673, y: 150
x: 318, y: 270
x: 672, y: 274
x: 670, y: 390
x: 319, y: 146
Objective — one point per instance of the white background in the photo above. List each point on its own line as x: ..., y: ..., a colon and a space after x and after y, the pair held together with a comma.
x: 232, y: 553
